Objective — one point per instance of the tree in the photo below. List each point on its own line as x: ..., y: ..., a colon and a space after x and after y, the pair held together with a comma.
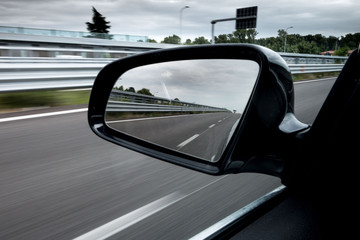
x: 201, y: 40
x: 145, y: 91
x: 222, y: 38
x: 121, y: 88
x: 188, y: 42
x: 130, y: 89
x: 308, y: 47
x: 344, y: 51
x: 350, y: 40
x: 251, y: 35
x: 174, y: 39
x: 99, y: 27
x: 152, y: 40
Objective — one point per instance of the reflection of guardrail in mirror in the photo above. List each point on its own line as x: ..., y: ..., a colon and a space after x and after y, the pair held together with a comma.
x: 121, y: 101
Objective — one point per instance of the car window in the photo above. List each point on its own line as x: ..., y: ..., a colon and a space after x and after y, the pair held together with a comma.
x: 60, y: 181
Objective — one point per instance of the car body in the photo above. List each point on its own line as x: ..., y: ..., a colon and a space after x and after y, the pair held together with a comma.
x: 315, y: 163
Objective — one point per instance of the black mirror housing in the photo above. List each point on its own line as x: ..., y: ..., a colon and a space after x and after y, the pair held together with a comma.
x: 266, y: 123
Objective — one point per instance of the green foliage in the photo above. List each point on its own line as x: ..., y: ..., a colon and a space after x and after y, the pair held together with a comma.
x: 99, y: 26
x: 197, y: 41
x: 295, y: 43
x: 174, y: 39
x: 239, y: 36
x: 342, y: 51
x: 201, y: 40
x: 130, y: 89
x: 145, y: 91
x: 42, y: 99
x: 311, y: 44
x: 188, y: 42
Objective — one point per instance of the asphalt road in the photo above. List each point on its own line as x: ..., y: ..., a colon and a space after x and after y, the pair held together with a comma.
x: 202, y: 135
x: 59, y: 181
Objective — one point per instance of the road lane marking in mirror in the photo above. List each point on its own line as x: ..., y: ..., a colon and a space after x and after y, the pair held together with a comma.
x: 42, y: 115
x: 187, y: 141
x: 145, y: 119
x: 184, y: 143
x: 109, y: 229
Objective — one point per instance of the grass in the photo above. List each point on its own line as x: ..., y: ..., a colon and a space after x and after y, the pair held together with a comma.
x: 33, y: 99
x: 312, y: 76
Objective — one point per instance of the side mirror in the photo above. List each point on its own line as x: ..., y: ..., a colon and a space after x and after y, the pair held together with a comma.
x: 216, y: 109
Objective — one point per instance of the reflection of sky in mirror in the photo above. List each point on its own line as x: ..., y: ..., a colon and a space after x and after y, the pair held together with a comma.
x: 218, y: 83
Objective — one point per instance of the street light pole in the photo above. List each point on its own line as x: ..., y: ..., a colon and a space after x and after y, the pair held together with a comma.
x: 285, y: 37
x: 180, y: 20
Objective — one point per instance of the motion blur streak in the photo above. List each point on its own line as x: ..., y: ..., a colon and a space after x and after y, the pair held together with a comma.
x: 131, y: 218
x: 41, y: 115
x: 59, y: 181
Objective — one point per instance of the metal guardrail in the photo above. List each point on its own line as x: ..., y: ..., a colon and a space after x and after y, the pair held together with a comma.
x: 24, y: 74
x: 144, y: 107
x: 298, y: 58
x: 310, y: 63
x: 122, y: 101
x: 314, y: 68
x: 74, y: 34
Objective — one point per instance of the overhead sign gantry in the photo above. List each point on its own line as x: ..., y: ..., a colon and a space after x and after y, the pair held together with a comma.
x: 245, y: 18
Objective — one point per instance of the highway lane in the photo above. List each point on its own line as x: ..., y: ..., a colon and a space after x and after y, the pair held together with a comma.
x: 207, y: 132
x: 59, y: 181
x: 309, y: 97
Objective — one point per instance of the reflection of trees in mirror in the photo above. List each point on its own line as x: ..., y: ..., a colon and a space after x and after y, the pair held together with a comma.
x: 143, y: 91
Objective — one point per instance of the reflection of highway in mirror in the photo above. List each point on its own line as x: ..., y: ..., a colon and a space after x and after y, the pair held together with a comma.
x: 195, y: 129
x: 202, y: 135
x: 190, y: 106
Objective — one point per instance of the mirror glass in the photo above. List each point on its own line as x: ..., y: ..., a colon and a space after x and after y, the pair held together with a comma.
x: 190, y: 106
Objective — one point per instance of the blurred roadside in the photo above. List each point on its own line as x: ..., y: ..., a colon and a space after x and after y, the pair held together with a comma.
x: 42, y: 101
x: 46, y: 100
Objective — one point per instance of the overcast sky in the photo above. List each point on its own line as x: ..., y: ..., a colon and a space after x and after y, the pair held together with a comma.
x: 218, y: 83
x: 160, y: 18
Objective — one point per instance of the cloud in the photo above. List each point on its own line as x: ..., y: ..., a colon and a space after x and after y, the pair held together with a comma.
x: 160, y: 18
x: 218, y: 83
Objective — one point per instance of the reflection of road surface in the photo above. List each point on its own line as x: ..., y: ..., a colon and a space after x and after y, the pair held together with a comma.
x: 203, y: 135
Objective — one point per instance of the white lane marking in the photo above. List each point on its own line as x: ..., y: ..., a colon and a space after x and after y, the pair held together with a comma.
x: 238, y: 214
x: 111, y: 228
x: 195, y: 136
x: 187, y: 141
x: 42, y: 115
x: 127, y: 220
x: 143, y: 119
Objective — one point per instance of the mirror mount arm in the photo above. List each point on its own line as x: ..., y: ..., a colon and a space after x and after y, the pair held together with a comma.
x: 291, y: 125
